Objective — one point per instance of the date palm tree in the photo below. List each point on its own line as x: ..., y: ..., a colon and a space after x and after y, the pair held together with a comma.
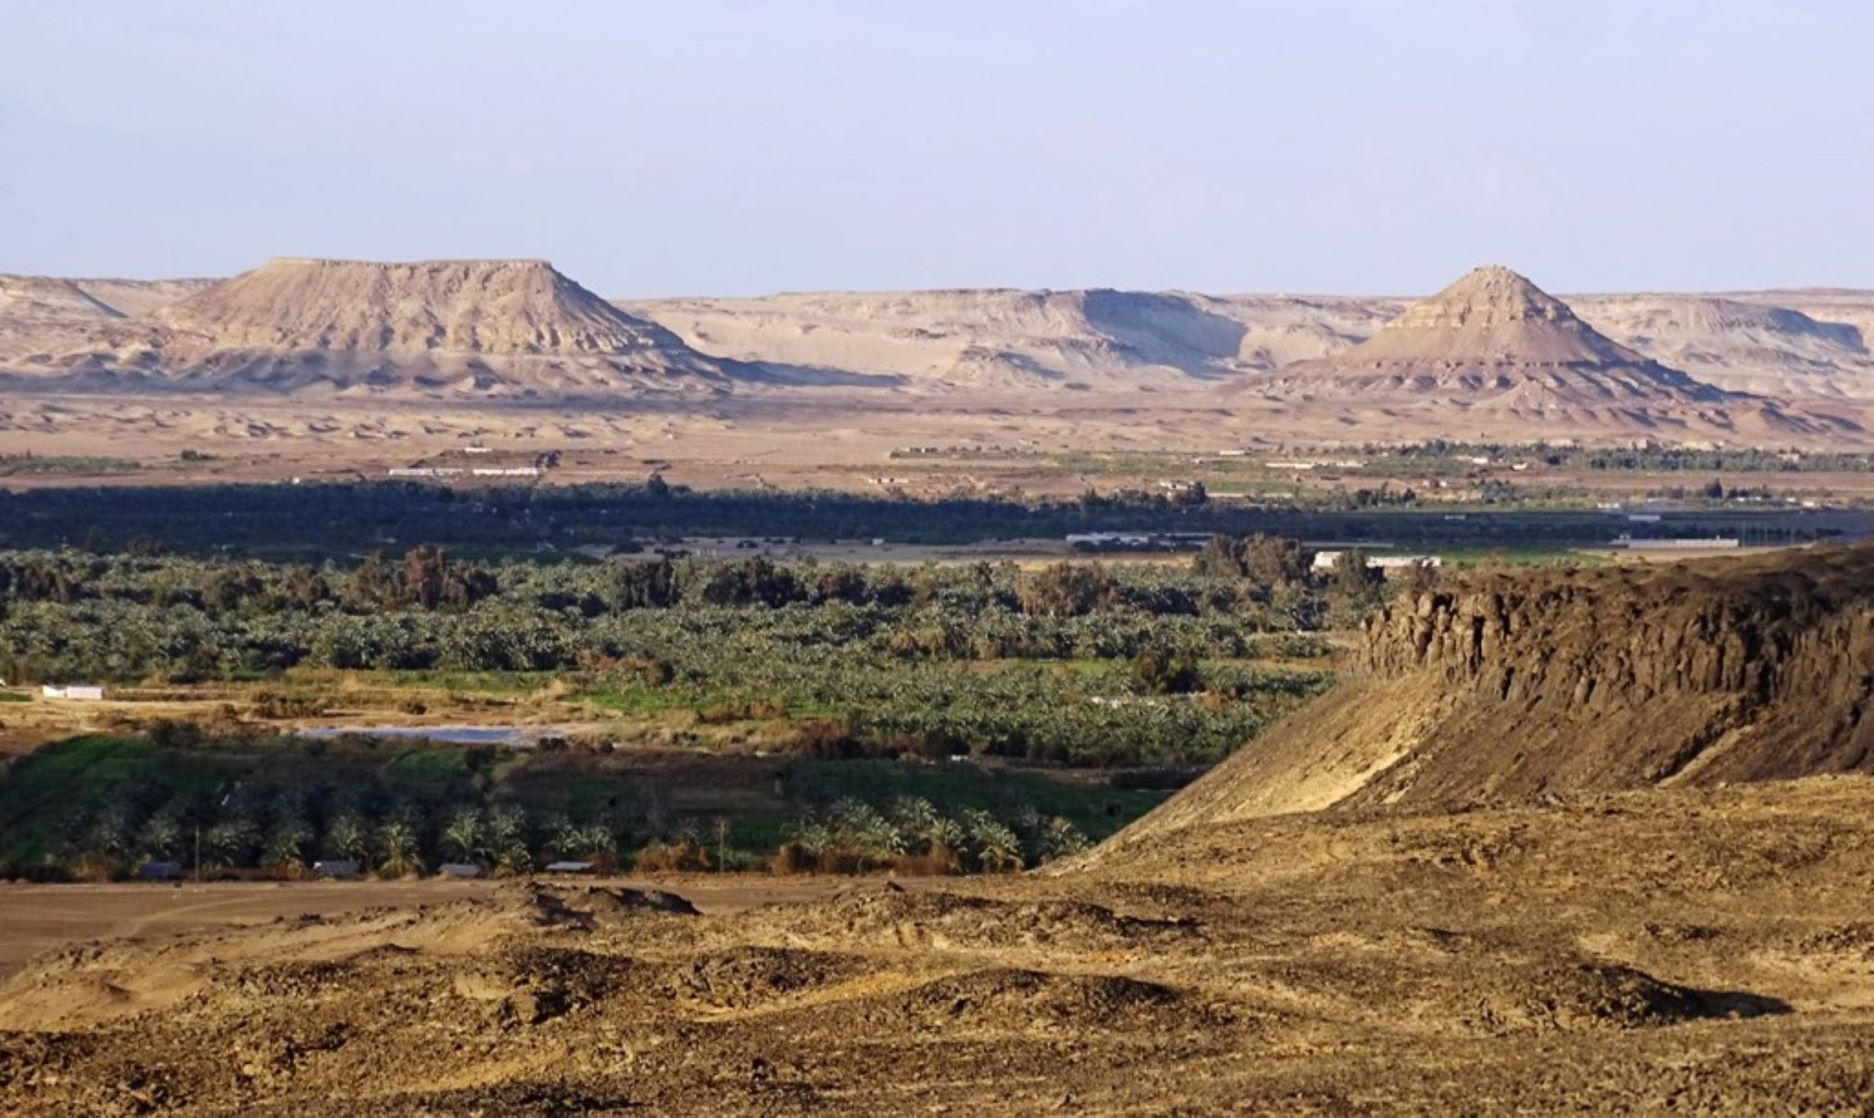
x: 230, y: 842
x: 346, y: 836
x: 463, y: 837
x: 1061, y: 839
x: 160, y: 836
x: 997, y: 846
x: 398, y: 851
x: 286, y: 842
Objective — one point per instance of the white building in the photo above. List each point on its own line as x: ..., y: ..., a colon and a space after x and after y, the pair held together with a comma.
x: 82, y: 692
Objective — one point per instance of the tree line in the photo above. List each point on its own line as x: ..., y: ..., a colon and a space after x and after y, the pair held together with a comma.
x: 253, y: 824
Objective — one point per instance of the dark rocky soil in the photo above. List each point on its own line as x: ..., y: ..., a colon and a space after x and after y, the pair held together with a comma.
x: 1509, y: 906
x: 1700, y: 950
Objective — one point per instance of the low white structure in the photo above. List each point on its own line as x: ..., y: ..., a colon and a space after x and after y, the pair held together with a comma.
x: 82, y: 692
x: 1109, y: 539
x: 1715, y: 543
x: 1314, y: 464
x: 1325, y: 560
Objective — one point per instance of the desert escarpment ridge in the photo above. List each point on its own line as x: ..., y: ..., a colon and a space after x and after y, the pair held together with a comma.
x: 1490, y: 358
x: 962, y: 340
x: 1782, y: 343
x: 1517, y: 686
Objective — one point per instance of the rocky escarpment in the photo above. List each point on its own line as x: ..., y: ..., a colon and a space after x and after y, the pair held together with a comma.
x: 1512, y: 686
x: 1736, y: 345
x: 1724, y: 672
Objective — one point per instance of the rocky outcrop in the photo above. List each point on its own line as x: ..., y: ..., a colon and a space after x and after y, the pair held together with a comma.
x: 1521, y: 685
x: 1778, y: 657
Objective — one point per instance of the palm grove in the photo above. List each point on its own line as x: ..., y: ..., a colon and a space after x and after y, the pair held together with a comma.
x: 1077, y: 663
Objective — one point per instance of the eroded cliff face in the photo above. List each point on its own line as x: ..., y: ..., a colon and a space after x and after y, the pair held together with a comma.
x: 1730, y: 669
x: 1528, y: 684
x: 1605, y: 639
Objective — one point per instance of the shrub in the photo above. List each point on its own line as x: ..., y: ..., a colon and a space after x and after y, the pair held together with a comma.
x: 174, y: 733
x: 938, y: 861
x: 793, y: 858
x: 682, y: 856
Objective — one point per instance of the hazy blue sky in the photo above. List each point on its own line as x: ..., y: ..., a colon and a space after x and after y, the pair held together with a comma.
x: 712, y: 146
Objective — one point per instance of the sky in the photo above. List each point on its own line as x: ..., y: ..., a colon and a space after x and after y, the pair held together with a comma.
x: 728, y: 147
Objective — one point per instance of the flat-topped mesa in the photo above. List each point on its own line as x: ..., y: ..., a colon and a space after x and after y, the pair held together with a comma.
x: 486, y: 307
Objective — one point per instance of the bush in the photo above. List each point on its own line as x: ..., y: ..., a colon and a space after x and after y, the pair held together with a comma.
x: 936, y: 862
x: 792, y: 859
x: 173, y: 733
x: 1163, y: 673
x: 682, y: 856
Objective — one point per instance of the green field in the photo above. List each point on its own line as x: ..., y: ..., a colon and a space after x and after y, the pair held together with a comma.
x: 22, y: 465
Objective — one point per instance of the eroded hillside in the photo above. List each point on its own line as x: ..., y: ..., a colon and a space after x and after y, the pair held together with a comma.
x: 501, y: 326
x: 1690, y: 949
x: 1796, y: 344
x: 1516, y: 685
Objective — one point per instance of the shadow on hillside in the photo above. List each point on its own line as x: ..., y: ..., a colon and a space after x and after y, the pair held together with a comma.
x: 807, y: 376
x: 1169, y: 329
